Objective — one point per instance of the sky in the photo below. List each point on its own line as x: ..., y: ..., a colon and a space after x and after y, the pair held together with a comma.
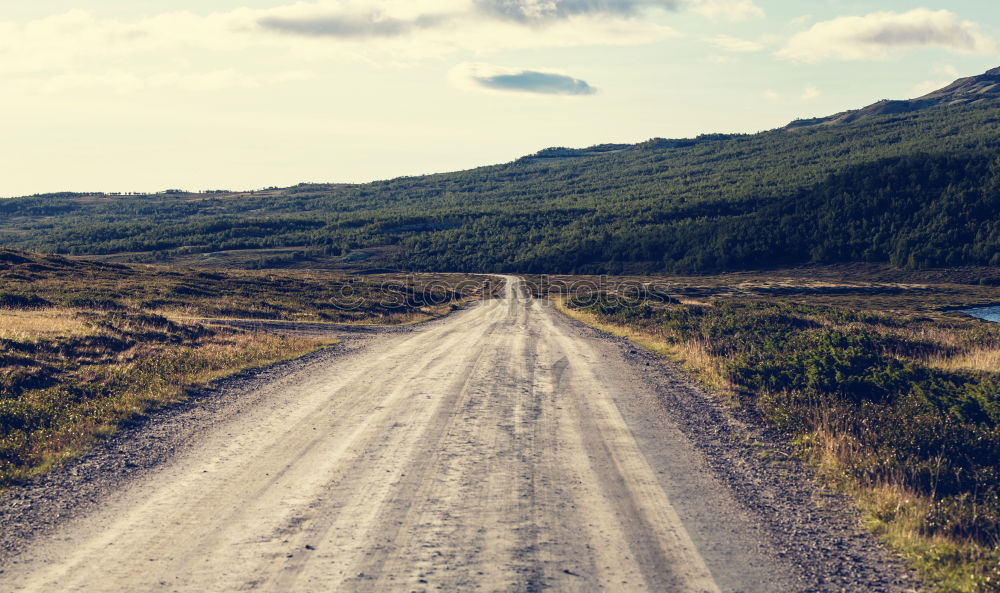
x: 148, y: 95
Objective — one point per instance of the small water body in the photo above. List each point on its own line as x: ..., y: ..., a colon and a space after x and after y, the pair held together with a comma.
x: 987, y: 313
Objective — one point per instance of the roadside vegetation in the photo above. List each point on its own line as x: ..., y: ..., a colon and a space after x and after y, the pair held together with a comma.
x: 86, y: 345
x: 894, y: 400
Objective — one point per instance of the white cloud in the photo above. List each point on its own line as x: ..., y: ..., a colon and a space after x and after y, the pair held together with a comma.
x: 801, y: 21
x: 729, y: 10
x: 948, y: 70
x: 78, y: 45
x: 944, y: 74
x: 79, y: 49
x: 735, y: 44
x: 122, y: 81
x: 720, y: 59
x: 811, y: 93
x: 807, y: 94
x: 883, y: 35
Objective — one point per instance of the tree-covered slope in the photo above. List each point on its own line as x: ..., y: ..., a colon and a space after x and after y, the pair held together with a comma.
x: 915, y: 189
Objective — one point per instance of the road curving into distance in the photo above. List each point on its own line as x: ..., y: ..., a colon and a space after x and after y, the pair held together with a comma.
x: 501, y: 449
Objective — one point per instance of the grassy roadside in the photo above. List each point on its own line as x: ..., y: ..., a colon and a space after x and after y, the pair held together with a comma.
x: 899, y: 408
x: 86, y: 345
x: 69, y: 376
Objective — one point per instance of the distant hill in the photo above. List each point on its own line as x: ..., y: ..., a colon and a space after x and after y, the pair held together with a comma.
x: 965, y: 91
x: 909, y: 185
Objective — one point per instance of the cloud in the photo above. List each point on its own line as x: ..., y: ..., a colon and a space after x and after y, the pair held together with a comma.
x: 486, y: 77
x: 383, y: 31
x: 530, y: 11
x: 121, y: 81
x: 346, y: 26
x: 735, y: 44
x: 81, y: 44
x: 728, y: 10
x: 353, y: 18
x: 81, y: 48
x: 808, y: 94
x: 945, y: 74
x: 882, y: 35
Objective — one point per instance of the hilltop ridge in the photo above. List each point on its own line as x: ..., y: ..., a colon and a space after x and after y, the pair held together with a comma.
x: 964, y: 91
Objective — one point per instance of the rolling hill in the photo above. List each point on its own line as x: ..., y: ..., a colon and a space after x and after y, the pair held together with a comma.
x: 911, y: 183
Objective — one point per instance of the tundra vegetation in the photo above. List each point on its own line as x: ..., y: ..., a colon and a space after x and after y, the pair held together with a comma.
x: 894, y: 399
x: 914, y: 189
x: 86, y: 345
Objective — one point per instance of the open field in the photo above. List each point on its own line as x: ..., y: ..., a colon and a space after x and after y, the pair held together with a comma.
x: 85, y: 345
x: 35, y: 281
x: 893, y: 397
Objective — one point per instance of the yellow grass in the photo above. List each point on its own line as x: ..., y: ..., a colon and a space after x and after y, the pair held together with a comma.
x: 693, y: 356
x: 133, y: 381
x: 31, y: 325
x: 979, y: 359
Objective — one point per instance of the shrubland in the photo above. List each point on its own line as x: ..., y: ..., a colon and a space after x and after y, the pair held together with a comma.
x: 896, y: 403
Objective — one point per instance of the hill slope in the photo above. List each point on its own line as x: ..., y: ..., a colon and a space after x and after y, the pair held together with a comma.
x: 914, y: 189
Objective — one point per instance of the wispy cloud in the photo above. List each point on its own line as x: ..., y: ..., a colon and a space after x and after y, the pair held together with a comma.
x: 726, y: 10
x: 808, y: 94
x: 121, y: 81
x: 545, y: 10
x: 944, y: 74
x: 883, y: 35
x: 811, y: 93
x: 348, y: 26
x: 394, y: 17
x: 735, y: 44
x: 487, y: 77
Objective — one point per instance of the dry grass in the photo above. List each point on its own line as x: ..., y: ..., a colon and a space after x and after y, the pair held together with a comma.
x: 32, y: 325
x: 693, y: 356
x: 68, y: 377
x: 36, y: 281
x: 985, y: 360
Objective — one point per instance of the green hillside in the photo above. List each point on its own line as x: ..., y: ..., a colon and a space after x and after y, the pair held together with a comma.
x: 915, y: 189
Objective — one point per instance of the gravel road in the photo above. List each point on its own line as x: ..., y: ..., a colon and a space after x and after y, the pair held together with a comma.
x: 503, y: 448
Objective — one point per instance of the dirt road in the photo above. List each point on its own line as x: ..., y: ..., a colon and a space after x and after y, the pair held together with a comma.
x: 500, y: 449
